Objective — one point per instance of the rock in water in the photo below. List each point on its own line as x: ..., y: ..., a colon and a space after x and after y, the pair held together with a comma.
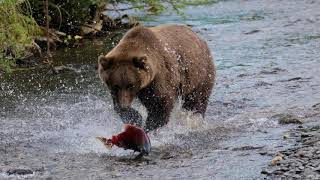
x: 287, y: 119
x: 19, y: 172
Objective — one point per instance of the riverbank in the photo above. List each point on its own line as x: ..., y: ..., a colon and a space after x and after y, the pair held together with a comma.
x: 302, y: 161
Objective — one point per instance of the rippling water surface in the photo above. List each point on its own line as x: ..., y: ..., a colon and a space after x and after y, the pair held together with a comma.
x: 267, y: 56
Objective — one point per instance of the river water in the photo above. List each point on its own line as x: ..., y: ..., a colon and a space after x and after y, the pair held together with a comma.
x: 267, y: 56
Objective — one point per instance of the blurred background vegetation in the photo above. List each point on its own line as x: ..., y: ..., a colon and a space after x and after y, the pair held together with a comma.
x: 17, y: 31
x: 22, y: 22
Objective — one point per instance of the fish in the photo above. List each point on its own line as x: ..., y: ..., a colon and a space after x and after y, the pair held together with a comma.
x: 133, y: 138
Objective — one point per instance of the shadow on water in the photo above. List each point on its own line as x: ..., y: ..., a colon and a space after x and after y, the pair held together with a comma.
x: 266, y: 65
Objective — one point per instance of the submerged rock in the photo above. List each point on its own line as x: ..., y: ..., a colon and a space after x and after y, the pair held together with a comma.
x: 245, y: 148
x: 19, y: 172
x: 272, y: 71
x: 287, y: 119
x: 62, y: 69
x: 252, y: 32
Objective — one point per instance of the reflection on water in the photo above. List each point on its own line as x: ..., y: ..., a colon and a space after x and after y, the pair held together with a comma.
x: 267, y: 60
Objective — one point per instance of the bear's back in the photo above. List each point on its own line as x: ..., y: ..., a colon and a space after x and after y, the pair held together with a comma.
x: 189, y: 51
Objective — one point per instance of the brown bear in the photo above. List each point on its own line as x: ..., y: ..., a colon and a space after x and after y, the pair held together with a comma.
x: 157, y: 65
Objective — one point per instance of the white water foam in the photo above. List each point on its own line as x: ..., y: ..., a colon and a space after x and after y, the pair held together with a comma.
x: 93, y: 117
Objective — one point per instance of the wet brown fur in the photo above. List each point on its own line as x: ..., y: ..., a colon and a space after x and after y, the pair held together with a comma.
x: 176, y: 62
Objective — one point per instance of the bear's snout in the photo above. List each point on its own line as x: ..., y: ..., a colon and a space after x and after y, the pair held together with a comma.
x: 124, y: 99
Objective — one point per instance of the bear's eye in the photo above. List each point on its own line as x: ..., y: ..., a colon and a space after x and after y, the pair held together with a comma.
x: 130, y: 86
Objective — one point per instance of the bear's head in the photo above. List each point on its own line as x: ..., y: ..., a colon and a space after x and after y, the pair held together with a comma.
x: 125, y: 76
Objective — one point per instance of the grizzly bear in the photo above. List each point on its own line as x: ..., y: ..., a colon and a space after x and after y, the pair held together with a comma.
x: 157, y: 65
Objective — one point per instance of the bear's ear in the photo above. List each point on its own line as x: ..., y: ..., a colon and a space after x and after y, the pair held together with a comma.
x: 140, y: 62
x: 105, y: 62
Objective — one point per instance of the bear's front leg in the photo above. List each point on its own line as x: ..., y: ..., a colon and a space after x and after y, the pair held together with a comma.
x: 158, y: 114
x: 129, y: 116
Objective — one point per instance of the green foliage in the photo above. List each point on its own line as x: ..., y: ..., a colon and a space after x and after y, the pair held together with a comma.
x: 17, y: 29
x: 6, y: 64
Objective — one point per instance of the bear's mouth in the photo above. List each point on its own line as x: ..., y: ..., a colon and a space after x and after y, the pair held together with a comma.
x: 122, y: 98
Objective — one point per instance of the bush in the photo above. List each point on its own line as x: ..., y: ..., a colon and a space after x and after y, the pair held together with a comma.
x: 17, y: 31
